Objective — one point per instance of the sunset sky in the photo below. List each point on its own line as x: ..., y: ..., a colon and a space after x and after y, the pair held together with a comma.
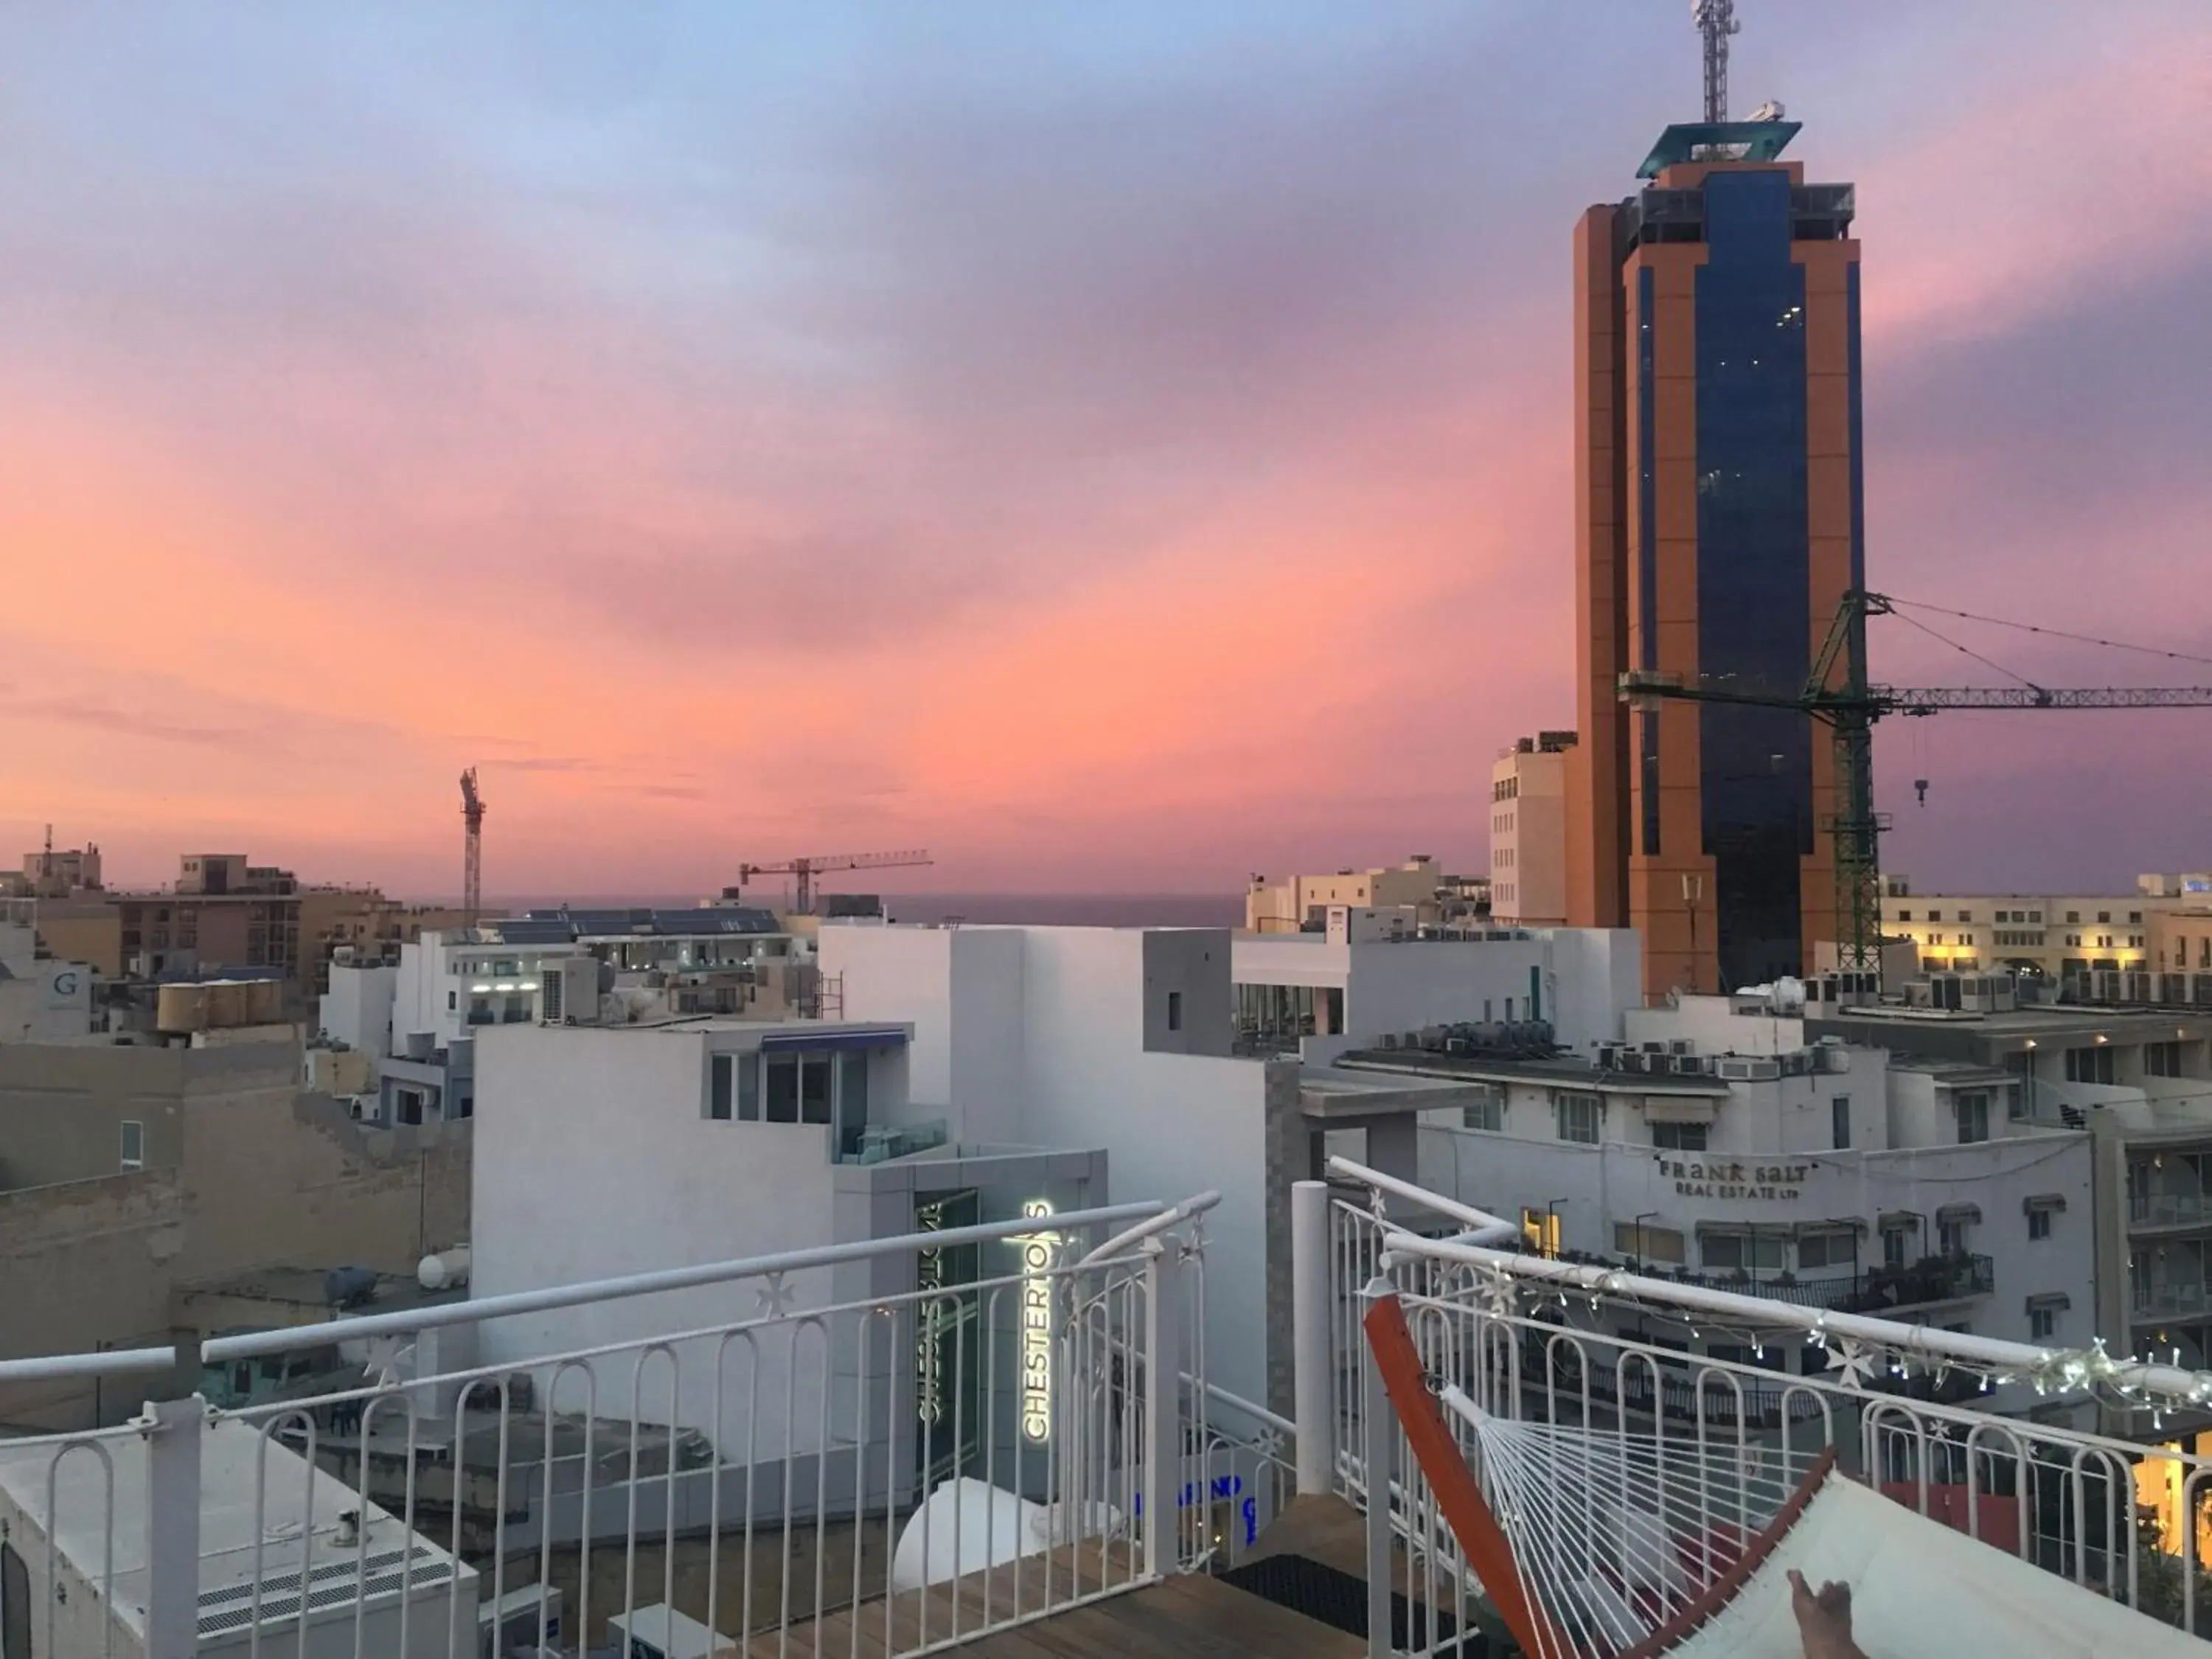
x: 1118, y: 447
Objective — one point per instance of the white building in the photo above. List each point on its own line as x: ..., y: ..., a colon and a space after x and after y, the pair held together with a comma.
x: 646, y: 964
x: 1358, y: 982
x: 605, y: 1151
x: 42, y: 999
x: 1114, y: 1038
x: 1529, y: 832
x: 257, y: 1516
x: 1720, y: 1142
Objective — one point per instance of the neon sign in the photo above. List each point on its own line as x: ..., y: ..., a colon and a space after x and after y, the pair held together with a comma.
x: 929, y: 1276
x: 1037, y: 1250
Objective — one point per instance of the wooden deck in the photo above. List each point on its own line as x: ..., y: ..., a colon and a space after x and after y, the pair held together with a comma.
x: 1185, y: 1617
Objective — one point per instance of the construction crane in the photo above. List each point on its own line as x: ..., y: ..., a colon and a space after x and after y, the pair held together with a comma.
x: 805, y: 869
x: 472, y: 811
x: 1837, y: 693
x: 1716, y: 21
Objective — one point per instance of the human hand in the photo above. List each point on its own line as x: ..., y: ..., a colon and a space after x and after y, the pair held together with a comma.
x: 1824, y: 1619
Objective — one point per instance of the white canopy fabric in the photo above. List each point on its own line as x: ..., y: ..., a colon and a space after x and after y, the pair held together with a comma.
x: 1920, y: 1588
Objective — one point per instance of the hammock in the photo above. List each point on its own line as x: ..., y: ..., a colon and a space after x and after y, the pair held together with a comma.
x: 1610, y: 1543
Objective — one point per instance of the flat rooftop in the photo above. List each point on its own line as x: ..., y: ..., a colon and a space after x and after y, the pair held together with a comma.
x: 1564, y: 1071
x: 238, y: 1507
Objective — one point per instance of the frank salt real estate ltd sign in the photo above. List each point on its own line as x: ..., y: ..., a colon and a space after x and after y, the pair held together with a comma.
x: 1763, y: 1182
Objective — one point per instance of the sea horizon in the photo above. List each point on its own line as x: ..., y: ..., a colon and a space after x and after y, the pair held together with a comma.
x: 1034, y: 909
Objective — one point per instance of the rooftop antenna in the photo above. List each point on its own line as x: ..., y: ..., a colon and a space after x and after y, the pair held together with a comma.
x: 1716, y: 21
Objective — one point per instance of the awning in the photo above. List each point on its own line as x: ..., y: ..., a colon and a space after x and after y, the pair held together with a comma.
x: 2051, y: 1299
x: 814, y: 1042
x: 1680, y: 1109
x: 2035, y: 1201
x: 1889, y: 1219
x: 1950, y: 1215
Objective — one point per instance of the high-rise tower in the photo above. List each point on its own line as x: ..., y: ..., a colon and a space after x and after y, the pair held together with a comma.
x: 1719, y: 523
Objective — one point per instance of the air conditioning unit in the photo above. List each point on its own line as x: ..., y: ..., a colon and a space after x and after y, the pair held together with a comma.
x: 1608, y: 1055
x: 1743, y: 1068
x: 1654, y: 1048
x: 1681, y: 1045
x: 1635, y: 1060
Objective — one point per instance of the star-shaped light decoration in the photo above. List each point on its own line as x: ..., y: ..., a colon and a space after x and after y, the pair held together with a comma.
x: 1268, y: 1442
x: 1194, y: 1247
x: 1494, y: 1294
x: 775, y: 1297
x: 1853, y: 1364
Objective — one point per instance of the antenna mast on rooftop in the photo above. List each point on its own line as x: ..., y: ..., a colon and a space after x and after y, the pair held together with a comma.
x: 1716, y: 21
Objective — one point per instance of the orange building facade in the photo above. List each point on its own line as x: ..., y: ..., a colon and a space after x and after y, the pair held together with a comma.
x: 1719, y: 525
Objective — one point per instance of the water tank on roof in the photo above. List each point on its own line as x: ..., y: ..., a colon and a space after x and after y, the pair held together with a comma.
x: 349, y: 1287
x: 444, y: 1269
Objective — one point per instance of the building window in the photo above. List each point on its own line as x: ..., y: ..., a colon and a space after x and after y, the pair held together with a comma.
x: 2041, y: 1323
x: 134, y: 1145
x: 1972, y: 1106
x: 1488, y: 1113
x: 814, y: 1088
x: 782, y: 1088
x: 1175, y: 1010
x: 1578, y: 1117
x: 2090, y: 1065
x: 1679, y: 1137
x: 2162, y: 1059
x: 453, y: 1000
x: 2073, y: 916
x: 1839, y: 1122
x: 1951, y: 1237
x: 1743, y: 1252
x: 1904, y: 915
x: 1893, y: 1247
x: 749, y: 1102
x: 1837, y: 1248
x: 2039, y: 1225
x: 718, y: 1087
x: 1645, y: 1242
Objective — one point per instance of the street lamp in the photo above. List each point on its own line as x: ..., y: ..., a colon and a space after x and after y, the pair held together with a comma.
x: 1642, y: 1218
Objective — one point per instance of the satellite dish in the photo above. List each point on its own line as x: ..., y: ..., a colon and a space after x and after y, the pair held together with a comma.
x: 1769, y: 111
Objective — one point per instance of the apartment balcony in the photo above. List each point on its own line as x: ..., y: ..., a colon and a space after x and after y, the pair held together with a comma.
x: 2164, y: 1212
x: 2173, y: 1299
x: 1931, y: 1280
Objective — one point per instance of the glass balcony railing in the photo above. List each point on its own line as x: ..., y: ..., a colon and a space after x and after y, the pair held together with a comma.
x: 2171, y: 1298
x: 879, y: 1143
x: 2169, y: 1209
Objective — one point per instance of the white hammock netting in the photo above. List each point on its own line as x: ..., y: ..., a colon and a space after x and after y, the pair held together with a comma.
x: 1632, y: 1544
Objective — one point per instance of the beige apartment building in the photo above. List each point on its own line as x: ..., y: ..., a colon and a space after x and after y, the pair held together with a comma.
x: 222, y: 913
x: 1285, y: 906
x: 2052, y: 935
x: 1529, y: 832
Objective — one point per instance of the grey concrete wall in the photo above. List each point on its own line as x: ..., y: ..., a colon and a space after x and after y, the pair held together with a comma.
x: 246, y: 1172
x: 61, y: 1106
x: 85, y: 1263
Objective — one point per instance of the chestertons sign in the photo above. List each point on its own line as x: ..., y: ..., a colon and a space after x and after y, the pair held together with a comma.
x: 1742, y: 1182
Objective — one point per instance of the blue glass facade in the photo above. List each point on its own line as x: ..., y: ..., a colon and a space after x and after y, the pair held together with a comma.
x: 1754, y: 548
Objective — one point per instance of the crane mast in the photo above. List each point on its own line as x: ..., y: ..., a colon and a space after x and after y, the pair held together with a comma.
x: 1837, y: 693
x: 473, y: 814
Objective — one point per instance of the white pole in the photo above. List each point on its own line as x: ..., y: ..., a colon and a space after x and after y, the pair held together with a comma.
x: 1162, y: 1484
x: 171, y: 1429
x: 1378, y: 1428
x: 1310, y: 1359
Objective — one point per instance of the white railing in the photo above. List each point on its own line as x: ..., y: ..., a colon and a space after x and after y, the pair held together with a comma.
x: 1909, y: 1410
x: 834, y: 1469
